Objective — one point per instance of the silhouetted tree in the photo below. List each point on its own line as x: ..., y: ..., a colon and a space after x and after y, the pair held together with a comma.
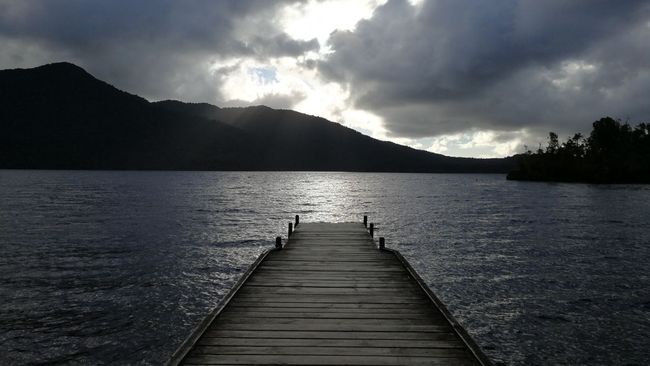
x: 553, y: 144
x: 614, y: 152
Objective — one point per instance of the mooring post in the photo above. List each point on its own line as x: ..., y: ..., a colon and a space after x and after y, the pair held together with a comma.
x: 365, y: 220
x: 382, y: 243
x: 297, y: 220
x: 372, y: 230
x: 278, y: 242
x: 290, y: 228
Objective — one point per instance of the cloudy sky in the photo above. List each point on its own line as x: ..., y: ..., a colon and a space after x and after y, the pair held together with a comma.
x: 462, y: 78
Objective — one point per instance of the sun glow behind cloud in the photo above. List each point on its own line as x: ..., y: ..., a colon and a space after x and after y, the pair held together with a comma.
x: 317, y: 19
x: 295, y: 83
x: 296, y: 79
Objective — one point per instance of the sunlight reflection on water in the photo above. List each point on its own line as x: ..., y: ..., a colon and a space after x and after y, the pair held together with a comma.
x: 116, y: 267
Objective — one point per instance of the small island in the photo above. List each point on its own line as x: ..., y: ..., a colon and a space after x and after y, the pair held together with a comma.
x: 614, y: 152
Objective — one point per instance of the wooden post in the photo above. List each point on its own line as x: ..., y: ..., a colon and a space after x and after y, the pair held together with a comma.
x: 297, y: 220
x: 372, y: 230
x: 278, y: 242
x: 382, y: 243
x: 290, y: 228
x: 365, y: 220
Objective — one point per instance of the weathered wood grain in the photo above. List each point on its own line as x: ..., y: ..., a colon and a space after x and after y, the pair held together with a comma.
x: 330, y: 297
x: 331, y: 342
x: 328, y: 350
x: 198, y: 359
x: 367, y: 335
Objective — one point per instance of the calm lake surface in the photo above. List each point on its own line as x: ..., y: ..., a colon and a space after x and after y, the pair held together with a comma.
x: 117, y: 267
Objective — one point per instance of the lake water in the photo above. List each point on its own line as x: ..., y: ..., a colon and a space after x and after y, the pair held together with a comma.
x: 117, y: 267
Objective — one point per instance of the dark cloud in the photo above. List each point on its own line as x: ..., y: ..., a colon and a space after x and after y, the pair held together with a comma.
x: 449, y: 66
x: 161, y: 49
x: 282, y: 45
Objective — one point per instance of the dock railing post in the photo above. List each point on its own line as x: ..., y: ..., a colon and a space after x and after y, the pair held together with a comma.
x: 382, y: 243
x: 278, y: 242
x: 372, y: 230
x: 365, y: 220
x: 290, y: 229
x: 297, y: 220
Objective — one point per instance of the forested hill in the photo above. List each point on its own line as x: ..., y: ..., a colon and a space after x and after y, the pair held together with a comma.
x: 614, y: 152
x: 58, y: 116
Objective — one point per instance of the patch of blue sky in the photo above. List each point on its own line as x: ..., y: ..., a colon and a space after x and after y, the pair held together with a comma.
x: 264, y: 75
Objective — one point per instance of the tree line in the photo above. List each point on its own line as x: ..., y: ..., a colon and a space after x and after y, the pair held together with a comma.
x: 614, y: 152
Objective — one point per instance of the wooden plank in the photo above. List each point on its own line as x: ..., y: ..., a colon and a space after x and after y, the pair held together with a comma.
x: 331, y: 278
x: 334, y: 327
x: 332, y: 267
x: 327, y: 310
x: 348, y: 261
x: 449, y: 342
x: 359, y: 335
x: 391, y: 286
x: 301, y: 290
x: 330, y: 275
x: 239, y: 303
x: 334, y: 315
x: 337, y: 323
x: 325, y: 250
x: 368, y: 283
x: 337, y: 299
x: 362, y: 259
x: 316, y: 250
x: 349, y: 270
x: 330, y: 351
x: 324, y: 360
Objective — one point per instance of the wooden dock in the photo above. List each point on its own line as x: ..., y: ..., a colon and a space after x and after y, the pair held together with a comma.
x: 330, y: 297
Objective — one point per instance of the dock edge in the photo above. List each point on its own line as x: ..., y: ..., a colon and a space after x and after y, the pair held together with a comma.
x: 189, y: 342
x: 480, y: 356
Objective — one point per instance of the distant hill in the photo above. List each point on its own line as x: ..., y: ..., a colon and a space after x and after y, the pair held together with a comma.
x: 58, y: 116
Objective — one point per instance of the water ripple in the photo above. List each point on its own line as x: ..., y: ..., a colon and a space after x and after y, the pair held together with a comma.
x: 117, y: 267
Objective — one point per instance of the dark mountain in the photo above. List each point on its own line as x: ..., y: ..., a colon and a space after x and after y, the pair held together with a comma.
x: 58, y: 116
x: 297, y: 141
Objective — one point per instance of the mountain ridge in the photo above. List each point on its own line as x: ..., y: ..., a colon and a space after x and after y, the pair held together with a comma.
x: 58, y: 116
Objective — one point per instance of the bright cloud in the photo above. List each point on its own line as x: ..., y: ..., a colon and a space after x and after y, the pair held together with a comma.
x: 318, y: 19
x: 483, y: 144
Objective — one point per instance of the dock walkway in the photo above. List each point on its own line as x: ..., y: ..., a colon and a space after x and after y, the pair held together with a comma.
x: 330, y: 297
